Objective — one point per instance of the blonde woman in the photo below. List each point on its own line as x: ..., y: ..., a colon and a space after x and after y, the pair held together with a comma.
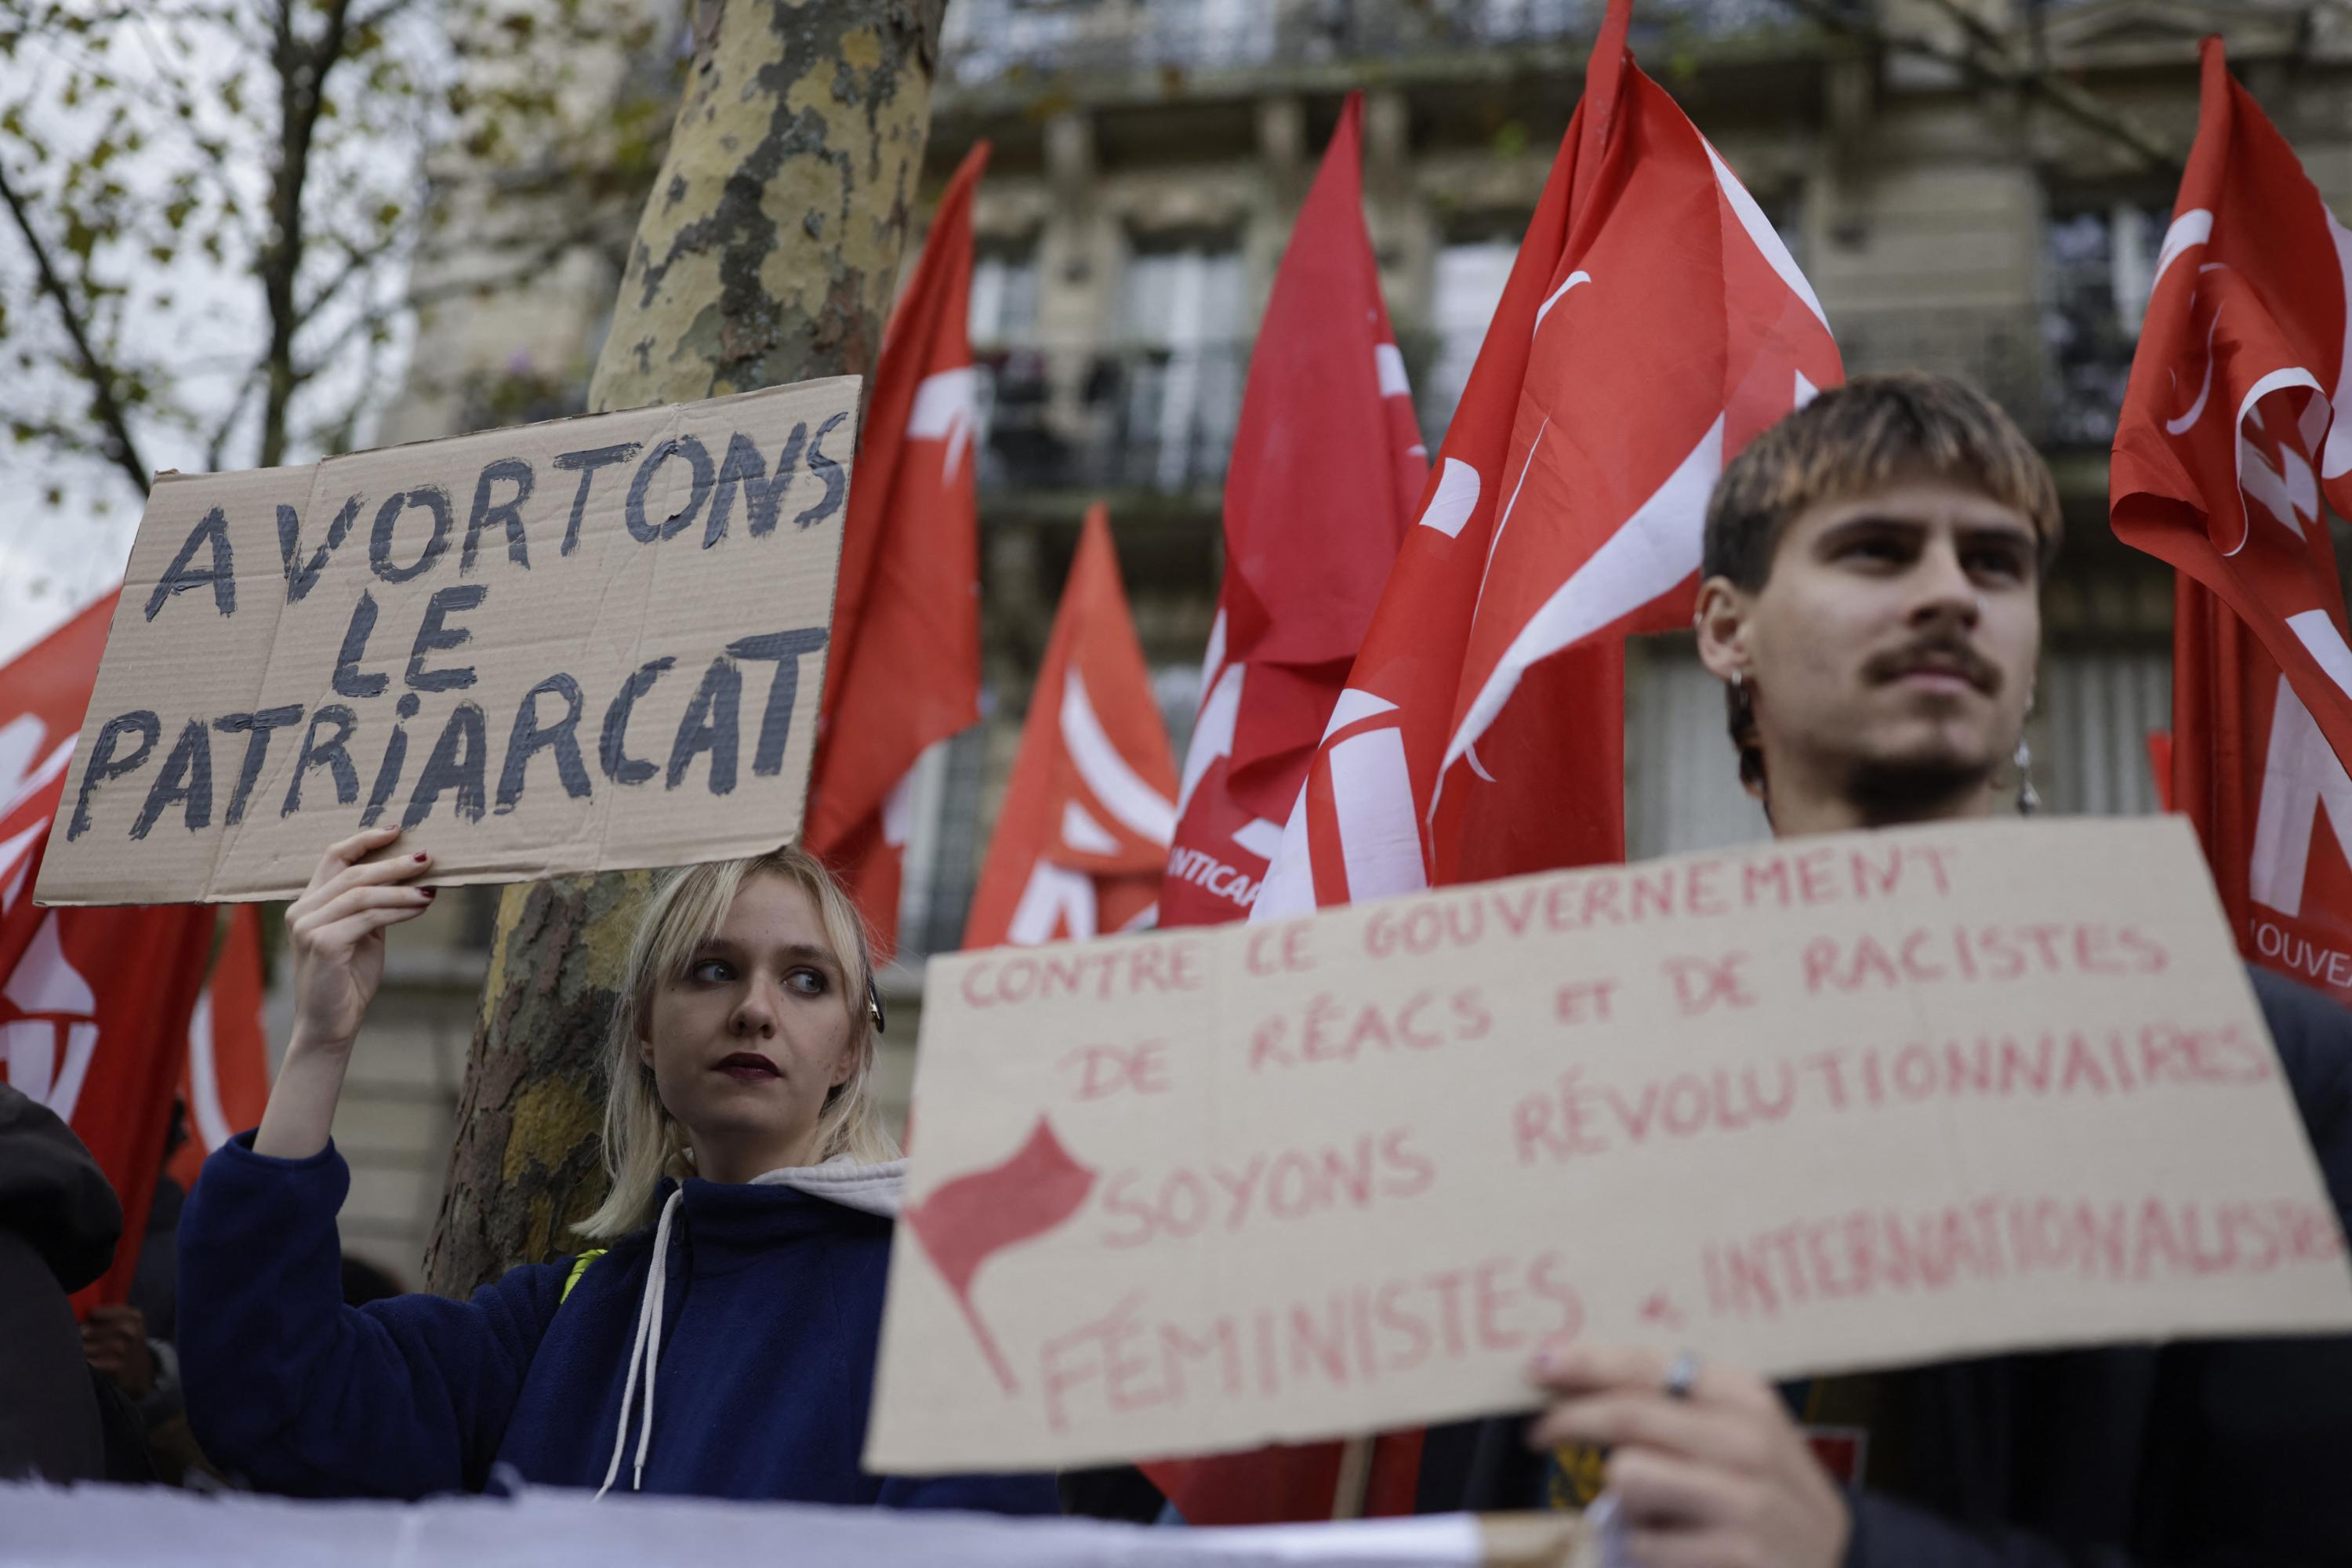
x: 720, y: 1340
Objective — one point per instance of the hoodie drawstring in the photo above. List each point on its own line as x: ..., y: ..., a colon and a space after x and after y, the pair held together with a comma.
x: 647, y: 1351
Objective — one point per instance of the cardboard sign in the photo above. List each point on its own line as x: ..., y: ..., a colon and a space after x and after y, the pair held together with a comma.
x: 582, y: 646
x: 1819, y: 1106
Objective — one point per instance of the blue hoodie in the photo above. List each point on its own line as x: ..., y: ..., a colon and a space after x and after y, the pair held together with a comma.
x: 769, y: 1311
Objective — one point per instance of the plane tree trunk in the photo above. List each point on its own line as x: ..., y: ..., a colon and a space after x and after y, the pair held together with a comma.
x: 766, y: 254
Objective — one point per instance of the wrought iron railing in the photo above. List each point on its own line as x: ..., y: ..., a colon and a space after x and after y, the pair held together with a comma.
x: 990, y: 39
x: 1162, y: 419
x: 1140, y: 416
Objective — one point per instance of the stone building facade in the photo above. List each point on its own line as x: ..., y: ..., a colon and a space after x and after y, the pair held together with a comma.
x: 1951, y: 211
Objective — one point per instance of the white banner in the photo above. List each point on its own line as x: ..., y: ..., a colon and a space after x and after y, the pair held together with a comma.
x: 136, y: 1527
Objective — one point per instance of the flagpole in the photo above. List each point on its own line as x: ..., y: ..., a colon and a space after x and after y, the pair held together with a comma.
x: 1355, y: 1478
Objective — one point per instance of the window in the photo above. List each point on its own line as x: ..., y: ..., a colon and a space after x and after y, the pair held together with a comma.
x: 1003, y: 295
x: 1175, y: 393
x: 1516, y: 21
x: 2099, y: 263
x: 941, y: 860
x: 1468, y: 286
x: 1682, y: 776
x: 1210, y: 33
x: 2099, y: 705
x: 983, y: 40
x: 1015, y: 387
x: 1176, y: 688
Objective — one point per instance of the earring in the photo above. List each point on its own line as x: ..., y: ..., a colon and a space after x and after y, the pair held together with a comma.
x: 1739, y: 681
x: 2029, y: 799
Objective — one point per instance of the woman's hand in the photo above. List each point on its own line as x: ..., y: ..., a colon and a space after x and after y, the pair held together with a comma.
x: 335, y: 934
x: 1722, y: 1478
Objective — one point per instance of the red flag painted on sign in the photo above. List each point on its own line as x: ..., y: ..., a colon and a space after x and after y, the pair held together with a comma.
x: 1326, y: 465
x: 94, y: 1003
x: 1082, y: 837
x: 903, y: 669
x: 2227, y: 454
x: 225, y: 1081
x: 971, y: 1218
x: 1653, y: 325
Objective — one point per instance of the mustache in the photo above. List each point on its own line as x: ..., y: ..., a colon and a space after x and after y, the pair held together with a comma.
x: 1939, y: 652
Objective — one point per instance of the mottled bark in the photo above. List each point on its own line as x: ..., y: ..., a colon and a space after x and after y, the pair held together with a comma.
x: 766, y: 253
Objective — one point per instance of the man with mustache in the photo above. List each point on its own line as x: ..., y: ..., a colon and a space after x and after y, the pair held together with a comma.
x: 1871, y: 573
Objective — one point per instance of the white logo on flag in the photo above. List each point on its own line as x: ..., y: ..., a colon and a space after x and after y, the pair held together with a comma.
x: 946, y: 409
x: 48, y: 1054
x: 2300, y: 775
x: 1122, y: 791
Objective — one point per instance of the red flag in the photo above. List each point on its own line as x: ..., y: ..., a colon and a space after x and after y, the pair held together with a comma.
x: 1082, y: 837
x: 2247, y: 764
x: 1326, y: 465
x: 1326, y: 468
x: 2225, y: 446
x: 94, y: 1003
x: 971, y: 1218
x: 903, y: 671
x: 1653, y: 325
x: 43, y: 692
x: 2227, y: 439
x: 225, y: 1082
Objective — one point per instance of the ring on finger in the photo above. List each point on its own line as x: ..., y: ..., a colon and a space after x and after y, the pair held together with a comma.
x: 1682, y: 1375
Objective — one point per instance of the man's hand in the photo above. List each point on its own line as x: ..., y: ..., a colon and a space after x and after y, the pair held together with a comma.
x: 115, y: 1341
x: 1720, y: 1479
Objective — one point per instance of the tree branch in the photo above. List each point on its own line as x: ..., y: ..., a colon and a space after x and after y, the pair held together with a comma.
x: 302, y: 67
x: 538, y: 260
x: 217, y: 442
x: 381, y: 15
x: 357, y: 260
x: 1986, y: 58
x: 120, y: 449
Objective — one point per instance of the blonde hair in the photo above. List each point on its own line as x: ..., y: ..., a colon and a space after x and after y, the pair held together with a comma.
x: 643, y: 1142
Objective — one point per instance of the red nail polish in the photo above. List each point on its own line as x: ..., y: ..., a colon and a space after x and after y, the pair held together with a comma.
x: 420, y: 855
x: 432, y: 892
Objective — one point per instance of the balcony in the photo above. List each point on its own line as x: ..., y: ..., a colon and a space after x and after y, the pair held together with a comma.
x: 1135, y: 418
x: 989, y: 40
x: 1152, y: 421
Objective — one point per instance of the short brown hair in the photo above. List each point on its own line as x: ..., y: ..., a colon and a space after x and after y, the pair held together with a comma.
x: 1850, y: 439
x: 1856, y: 437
